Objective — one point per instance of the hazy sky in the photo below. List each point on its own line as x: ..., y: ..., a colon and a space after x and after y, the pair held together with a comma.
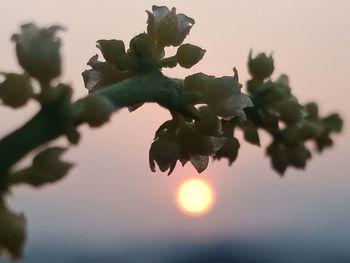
x: 111, y: 193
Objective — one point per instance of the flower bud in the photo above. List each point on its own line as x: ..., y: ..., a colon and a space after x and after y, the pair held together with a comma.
x: 250, y: 132
x: 38, y: 51
x: 310, y: 129
x: 232, y: 106
x: 47, y: 167
x: 260, y: 67
x: 114, y: 53
x: 111, y: 49
x: 188, y: 55
x: 229, y: 150
x: 298, y: 156
x: 274, y: 93
x: 283, y: 79
x: 199, y: 162
x: 166, y: 27
x: 254, y: 85
x: 104, y: 74
x: 208, y: 123
x: 289, y: 110
x: 292, y: 135
x: 279, y: 157
x: 198, y: 82
x: 12, y: 232
x: 96, y: 110
x: 311, y: 110
x: 333, y: 122
x: 165, y: 152
x: 194, y: 142
x: 225, y: 98
x: 16, y: 90
x: 324, y: 141
x: 140, y: 45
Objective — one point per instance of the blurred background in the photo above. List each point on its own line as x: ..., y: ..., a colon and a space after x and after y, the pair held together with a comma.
x: 112, y: 208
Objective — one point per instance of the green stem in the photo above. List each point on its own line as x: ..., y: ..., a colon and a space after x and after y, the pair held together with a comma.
x: 42, y: 128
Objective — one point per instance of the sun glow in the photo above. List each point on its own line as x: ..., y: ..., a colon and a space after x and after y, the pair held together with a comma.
x: 195, y: 197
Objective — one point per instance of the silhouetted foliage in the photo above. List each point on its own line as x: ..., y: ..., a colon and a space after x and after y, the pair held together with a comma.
x: 206, y: 110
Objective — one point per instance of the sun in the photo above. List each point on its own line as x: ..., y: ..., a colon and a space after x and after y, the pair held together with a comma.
x: 195, y: 197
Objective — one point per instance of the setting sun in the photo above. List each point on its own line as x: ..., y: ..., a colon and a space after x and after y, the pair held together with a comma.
x: 195, y: 197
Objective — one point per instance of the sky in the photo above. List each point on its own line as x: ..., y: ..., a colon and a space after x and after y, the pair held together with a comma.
x: 112, y: 198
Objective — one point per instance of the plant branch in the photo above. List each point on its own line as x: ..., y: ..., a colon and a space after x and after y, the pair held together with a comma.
x: 42, y: 128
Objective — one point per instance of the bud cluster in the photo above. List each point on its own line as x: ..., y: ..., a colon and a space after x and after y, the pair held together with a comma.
x: 185, y: 141
x: 207, y: 136
x: 37, y: 51
x: 146, y: 51
x: 278, y: 112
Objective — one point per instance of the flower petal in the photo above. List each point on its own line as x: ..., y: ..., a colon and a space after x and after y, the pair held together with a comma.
x: 200, y: 162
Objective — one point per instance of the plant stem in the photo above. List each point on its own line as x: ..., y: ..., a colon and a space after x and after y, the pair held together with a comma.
x: 42, y: 128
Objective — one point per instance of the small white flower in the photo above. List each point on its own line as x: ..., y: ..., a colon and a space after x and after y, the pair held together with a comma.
x: 166, y: 27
